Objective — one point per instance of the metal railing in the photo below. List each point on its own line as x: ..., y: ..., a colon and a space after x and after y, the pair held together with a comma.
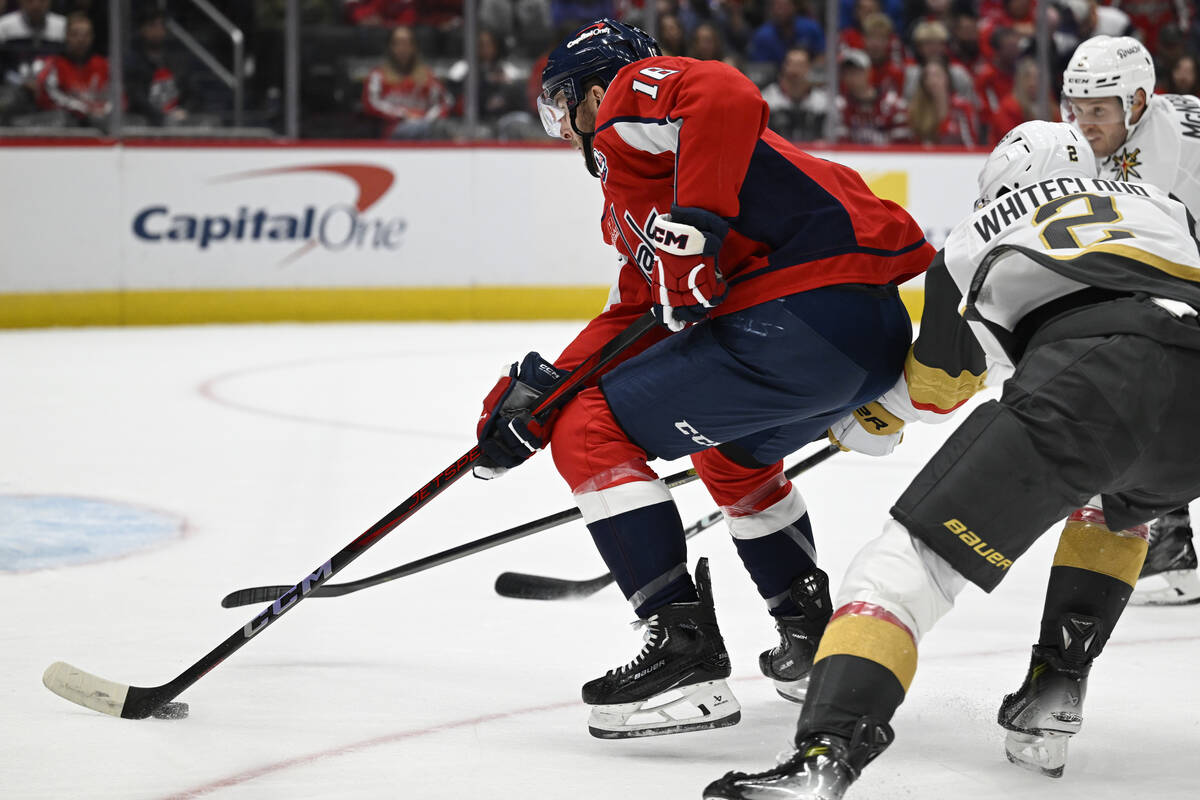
x: 235, y: 79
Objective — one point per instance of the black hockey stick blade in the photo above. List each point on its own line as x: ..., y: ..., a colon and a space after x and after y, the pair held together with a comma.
x: 137, y: 702
x: 264, y: 594
x: 523, y: 586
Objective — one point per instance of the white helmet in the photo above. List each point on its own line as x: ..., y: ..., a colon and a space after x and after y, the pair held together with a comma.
x: 1032, y: 152
x: 1109, y: 66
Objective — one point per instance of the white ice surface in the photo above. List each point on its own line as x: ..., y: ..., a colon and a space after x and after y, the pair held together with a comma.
x: 280, y: 444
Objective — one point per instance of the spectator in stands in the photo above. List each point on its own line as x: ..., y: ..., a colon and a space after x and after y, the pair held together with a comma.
x: 671, y: 36
x: 730, y: 17
x: 942, y: 11
x: 884, y: 49
x: 868, y: 114
x: 896, y: 9
x: 1015, y: 15
x: 994, y: 79
x: 798, y: 107
x: 964, y: 39
x: 28, y: 36
x: 786, y: 27
x: 1080, y: 20
x: 384, y: 13
x: 1151, y: 17
x: 1181, y: 78
x: 72, y: 88
x: 1172, y: 45
x: 441, y: 19
x: 939, y: 115
x: 931, y: 42
x: 1021, y: 104
x: 707, y: 44
x: 852, y: 33
x: 501, y: 99
x: 404, y: 93
x: 573, y: 14
x: 152, y: 77
x: 524, y: 24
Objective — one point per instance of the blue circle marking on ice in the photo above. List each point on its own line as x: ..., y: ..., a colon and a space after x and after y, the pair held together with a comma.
x: 41, y: 531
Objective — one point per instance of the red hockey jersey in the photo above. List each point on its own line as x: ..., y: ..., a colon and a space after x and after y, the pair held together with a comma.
x: 78, y: 87
x: 674, y: 130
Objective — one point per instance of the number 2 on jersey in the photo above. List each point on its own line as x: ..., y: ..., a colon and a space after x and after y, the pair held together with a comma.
x: 1058, y: 233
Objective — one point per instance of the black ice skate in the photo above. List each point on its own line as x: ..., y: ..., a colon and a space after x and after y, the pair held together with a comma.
x: 822, y: 768
x: 1170, y: 564
x: 790, y: 662
x: 676, y: 683
x: 1047, y: 710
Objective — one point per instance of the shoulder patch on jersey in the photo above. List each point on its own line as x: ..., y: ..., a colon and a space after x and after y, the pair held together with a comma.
x: 601, y: 164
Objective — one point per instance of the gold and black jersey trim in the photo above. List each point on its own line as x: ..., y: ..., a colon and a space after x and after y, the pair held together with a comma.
x: 945, y: 366
x: 1117, y: 266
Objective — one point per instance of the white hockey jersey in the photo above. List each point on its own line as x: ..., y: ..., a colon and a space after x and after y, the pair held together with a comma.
x: 1164, y: 150
x: 1051, y: 239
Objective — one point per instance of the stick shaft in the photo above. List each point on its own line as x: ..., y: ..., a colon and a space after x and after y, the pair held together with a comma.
x: 540, y: 587
x: 265, y: 594
x: 139, y: 702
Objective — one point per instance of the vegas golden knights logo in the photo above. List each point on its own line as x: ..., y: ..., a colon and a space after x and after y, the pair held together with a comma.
x: 1126, y: 162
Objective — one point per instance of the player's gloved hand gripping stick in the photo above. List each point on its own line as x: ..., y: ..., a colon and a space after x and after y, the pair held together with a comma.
x: 137, y: 702
x: 508, y: 432
x: 686, y: 281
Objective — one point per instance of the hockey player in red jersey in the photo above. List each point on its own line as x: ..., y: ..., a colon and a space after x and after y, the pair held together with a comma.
x: 1083, y: 292
x: 774, y: 276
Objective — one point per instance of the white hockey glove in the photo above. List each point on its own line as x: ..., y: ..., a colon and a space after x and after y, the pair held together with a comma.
x: 869, y: 429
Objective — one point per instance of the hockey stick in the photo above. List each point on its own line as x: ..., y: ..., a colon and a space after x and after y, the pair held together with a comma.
x: 542, y: 587
x: 137, y: 702
x: 261, y: 594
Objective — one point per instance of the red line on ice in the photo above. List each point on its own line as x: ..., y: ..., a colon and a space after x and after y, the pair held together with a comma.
x: 300, y: 761
x: 333, y: 752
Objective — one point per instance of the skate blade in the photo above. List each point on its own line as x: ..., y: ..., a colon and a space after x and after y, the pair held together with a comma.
x: 1044, y: 753
x: 698, y: 707
x: 1182, y: 589
x: 793, y: 691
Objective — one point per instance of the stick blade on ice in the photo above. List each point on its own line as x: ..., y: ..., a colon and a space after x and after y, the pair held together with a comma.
x: 85, y: 689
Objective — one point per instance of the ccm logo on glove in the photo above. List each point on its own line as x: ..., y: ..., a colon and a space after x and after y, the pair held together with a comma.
x: 686, y: 281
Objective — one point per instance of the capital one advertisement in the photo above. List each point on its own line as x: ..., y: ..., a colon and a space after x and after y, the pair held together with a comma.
x: 309, y: 218
x: 163, y: 217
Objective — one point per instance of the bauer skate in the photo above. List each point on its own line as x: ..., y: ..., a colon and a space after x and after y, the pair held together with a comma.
x: 676, y: 683
x: 1047, y: 710
x: 789, y: 663
x: 822, y: 768
x: 1170, y: 560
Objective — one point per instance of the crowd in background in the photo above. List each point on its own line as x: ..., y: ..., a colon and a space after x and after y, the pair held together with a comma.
x: 940, y: 72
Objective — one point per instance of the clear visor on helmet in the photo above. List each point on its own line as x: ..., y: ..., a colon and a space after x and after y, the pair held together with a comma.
x: 1093, y: 111
x: 552, y: 112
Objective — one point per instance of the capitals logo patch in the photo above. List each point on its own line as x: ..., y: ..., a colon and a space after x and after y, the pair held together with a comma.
x: 1126, y: 162
x: 601, y: 164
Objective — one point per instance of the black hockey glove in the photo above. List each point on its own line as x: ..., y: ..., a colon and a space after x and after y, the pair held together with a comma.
x: 507, y: 432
